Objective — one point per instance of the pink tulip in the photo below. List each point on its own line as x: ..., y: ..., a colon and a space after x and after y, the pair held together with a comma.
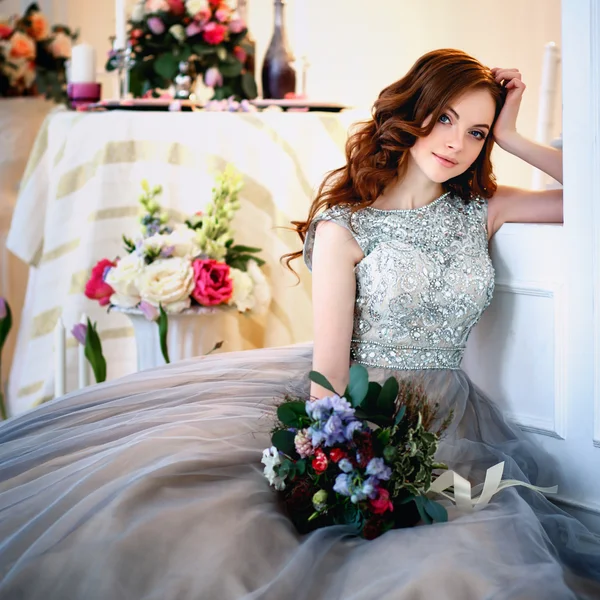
x: 79, y: 332
x: 156, y: 26
x: 193, y: 29
x: 213, y: 78
x: 149, y: 310
x: 237, y: 25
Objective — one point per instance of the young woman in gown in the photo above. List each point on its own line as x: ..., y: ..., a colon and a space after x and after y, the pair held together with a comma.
x: 151, y: 486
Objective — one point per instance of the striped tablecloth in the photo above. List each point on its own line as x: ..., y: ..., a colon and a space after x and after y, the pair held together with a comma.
x: 79, y: 195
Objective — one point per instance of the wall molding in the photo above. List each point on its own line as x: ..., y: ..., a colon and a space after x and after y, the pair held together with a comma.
x: 556, y: 427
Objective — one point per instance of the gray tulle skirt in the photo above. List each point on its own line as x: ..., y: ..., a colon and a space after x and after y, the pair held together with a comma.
x: 151, y: 487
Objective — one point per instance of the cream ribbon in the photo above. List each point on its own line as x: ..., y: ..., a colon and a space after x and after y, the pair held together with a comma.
x: 463, y: 494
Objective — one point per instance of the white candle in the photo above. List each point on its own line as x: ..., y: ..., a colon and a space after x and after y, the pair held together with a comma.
x: 82, y: 365
x: 301, y: 29
x: 60, y: 370
x: 83, y: 64
x: 120, y: 24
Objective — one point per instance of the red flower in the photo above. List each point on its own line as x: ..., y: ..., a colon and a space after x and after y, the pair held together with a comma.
x: 214, y: 33
x: 373, y: 527
x: 213, y: 283
x: 240, y: 54
x: 382, y: 503
x: 5, y: 31
x: 215, y: 3
x: 320, y: 462
x: 96, y: 288
x: 337, y: 454
x: 177, y: 7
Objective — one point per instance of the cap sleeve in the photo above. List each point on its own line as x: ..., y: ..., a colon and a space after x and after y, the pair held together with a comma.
x: 338, y: 214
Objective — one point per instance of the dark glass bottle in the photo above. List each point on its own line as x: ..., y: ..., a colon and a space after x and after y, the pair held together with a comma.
x: 278, y: 75
x: 249, y: 40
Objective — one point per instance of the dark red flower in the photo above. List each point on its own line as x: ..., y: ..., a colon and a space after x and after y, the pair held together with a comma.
x: 96, y: 288
x: 336, y: 454
x: 320, y: 462
x: 364, y: 448
x: 373, y: 527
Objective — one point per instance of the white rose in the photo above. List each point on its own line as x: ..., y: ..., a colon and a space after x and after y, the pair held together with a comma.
x: 262, y: 289
x: 242, y: 297
x: 61, y: 45
x: 123, y: 279
x: 167, y: 281
x: 178, y: 32
x: 183, y: 241
x: 195, y: 6
x: 154, y: 242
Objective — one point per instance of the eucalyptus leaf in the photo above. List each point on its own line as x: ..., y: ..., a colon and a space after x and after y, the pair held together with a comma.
x: 321, y: 380
x: 287, y: 415
x: 283, y: 440
x: 387, y: 398
x: 358, y: 385
x: 435, y: 510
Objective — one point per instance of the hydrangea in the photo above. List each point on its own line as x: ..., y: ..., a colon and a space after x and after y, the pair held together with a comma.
x: 353, y: 486
x: 333, y: 419
x: 379, y: 469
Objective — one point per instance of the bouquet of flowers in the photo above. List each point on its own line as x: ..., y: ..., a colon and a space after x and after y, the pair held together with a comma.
x: 33, y: 56
x: 173, y: 267
x: 206, y: 34
x: 365, y: 459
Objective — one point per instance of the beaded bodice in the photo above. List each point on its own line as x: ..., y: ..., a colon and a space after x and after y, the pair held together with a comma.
x: 425, y: 280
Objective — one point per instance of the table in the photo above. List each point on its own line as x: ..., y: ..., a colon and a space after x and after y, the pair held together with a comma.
x: 80, y: 196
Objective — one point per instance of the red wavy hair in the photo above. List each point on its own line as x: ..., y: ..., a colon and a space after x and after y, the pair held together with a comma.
x: 377, y: 152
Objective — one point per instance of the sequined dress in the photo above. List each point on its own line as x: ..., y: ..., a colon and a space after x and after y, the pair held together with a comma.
x: 151, y: 486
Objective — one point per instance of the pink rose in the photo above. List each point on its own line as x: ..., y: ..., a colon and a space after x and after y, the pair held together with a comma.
x: 237, y: 25
x: 5, y: 31
x: 156, y: 26
x: 382, y: 503
x: 213, y: 285
x: 240, y: 54
x: 214, y: 33
x: 177, y: 7
x: 96, y: 288
x: 193, y: 29
x: 222, y: 13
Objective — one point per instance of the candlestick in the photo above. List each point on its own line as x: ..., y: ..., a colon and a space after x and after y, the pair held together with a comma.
x: 60, y: 370
x: 120, y: 24
x: 82, y: 365
x: 83, y: 64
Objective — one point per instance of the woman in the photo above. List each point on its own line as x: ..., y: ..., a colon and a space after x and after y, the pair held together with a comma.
x: 151, y: 486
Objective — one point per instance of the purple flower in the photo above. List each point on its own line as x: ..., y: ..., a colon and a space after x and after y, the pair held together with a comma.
x: 351, y: 428
x: 150, y: 311
x: 156, y: 26
x: 167, y: 251
x: 379, y: 469
x: 213, y: 78
x: 334, y: 430
x: 3, y: 310
x: 79, y: 332
x: 345, y: 465
x: 342, y: 484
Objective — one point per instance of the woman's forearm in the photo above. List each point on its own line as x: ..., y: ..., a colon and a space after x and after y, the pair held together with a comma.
x: 544, y: 158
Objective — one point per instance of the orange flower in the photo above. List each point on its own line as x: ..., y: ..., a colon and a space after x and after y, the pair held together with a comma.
x: 39, y: 29
x: 21, y: 46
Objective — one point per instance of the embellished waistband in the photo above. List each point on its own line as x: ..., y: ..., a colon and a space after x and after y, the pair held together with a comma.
x: 404, y: 358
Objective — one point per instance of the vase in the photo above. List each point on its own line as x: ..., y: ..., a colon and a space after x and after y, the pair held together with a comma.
x: 190, y: 334
x: 278, y: 75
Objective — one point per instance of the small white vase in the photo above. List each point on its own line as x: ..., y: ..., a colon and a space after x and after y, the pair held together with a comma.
x: 191, y: 333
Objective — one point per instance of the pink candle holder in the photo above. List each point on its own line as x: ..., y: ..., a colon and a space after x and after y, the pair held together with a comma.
x: 82, y: 94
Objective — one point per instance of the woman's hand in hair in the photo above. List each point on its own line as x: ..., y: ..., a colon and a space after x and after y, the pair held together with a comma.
x: 505, y: 127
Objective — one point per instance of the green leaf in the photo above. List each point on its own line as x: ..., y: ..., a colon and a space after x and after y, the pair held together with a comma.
x: 301, y: 466
x: 435, y: 510
x: 321, y: 380
x: 93, y: 352
x: 358, y: 385
x: 283, y: 440
x: 249, y: 86
x: 202, y: 49
x: 163, y: 329
x: 5, y: 326
x: 167, y: 66
x: 400, y: 415
x: 288, y: 416
x: 230, y: 68
x: 370, y: 401
x: 419, y: 501
x: 240, y: 248
x: 387, y: 398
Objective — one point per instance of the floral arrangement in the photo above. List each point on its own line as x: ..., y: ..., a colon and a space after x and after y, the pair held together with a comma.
x: 206, y: 34
x: 33, y: 56
x: 5, y: 327
x: 173, y: 267
x: 365, y: 459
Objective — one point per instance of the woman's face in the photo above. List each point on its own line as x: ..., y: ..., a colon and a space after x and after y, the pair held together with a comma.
x: 457, y: 138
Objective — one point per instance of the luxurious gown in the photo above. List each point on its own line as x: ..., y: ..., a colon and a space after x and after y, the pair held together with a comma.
x: 151, y: 486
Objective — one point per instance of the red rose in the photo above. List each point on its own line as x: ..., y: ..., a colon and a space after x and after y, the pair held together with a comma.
x: 213, y: 283
x: 215, y: 3
x: 336, y: 455
x: 382, y: 503
x: 96, y: 288
x: 214, y: 33
x: 320, y: 462
x: 177, y: 7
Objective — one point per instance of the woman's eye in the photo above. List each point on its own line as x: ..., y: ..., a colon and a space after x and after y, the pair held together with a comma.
x: 446, y: 117
x: 478, y: 135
